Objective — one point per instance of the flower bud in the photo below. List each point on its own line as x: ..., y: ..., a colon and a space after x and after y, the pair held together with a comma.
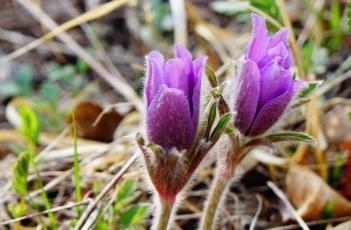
x: 173, y: 121
x: 264, y: 86
x: 172, y: 93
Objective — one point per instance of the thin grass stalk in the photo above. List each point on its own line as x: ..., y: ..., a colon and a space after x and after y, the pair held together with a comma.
x: 76, y: 165
x: 32, y: 151
x: 293, y: 44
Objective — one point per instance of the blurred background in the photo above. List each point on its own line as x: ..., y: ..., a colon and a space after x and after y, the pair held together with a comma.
x: 86, y: 57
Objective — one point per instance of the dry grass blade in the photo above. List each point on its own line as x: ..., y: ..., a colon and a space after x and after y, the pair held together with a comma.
x: 260, y: 12
x: 282, y: 196
x: 118, y: 84
x: 208, y: 32
x: 108, y: 187
x: 312, y: 223
x: 328, y: 85
x: 179, y: 19
x: 52, y: 144
x: 294, y: 47
x: 54, y: 155
x: 57, y: 209
x: 312, y: 24
x: 94, y: 40
x: 20, y: 39
x: 258, y: 212
x: 87, y: 16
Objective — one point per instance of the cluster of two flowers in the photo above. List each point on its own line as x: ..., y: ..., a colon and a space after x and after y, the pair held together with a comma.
x: 177, y: 114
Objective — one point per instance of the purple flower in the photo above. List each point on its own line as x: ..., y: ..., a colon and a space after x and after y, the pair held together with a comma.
x: 172, y: 94
x: 264, y: 86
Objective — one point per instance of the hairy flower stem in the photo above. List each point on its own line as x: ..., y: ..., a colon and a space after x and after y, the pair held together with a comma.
x: 215, y: 199
x: 164, y: 217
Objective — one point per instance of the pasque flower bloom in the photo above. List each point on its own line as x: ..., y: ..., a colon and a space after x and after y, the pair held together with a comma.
x: 264, y: 86
x: 172, y: 93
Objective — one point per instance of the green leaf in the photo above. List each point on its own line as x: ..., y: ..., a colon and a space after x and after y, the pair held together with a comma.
x: 335, y: 25
x: 337, y: 168
x: 134, y: 215
x: 127, y: 190
x: 82, y: 66
x: 65, y: 73
x: 124, y: 194
x: 20, y: 173
x: 307, y: 54
x: 30, y: 128
x: 290, y: 136
x: 161, y: 11
x: 211, y: 76
x: 50, y: 92
x: 101, y: 223
x: 17, y: 210
x: 328, y: 211
x: 23, y: 79
x: 268, y: 6
x: 254, y: 143
x: 310, y: 88
x: 221, y: 126
x: 349, y: 14
x: 73, y: 223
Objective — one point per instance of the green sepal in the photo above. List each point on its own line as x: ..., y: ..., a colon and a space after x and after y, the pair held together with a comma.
x: 290, y: 136
x: 211, y: 76
x: 310, y: 88
x: 211, y: 118
x: 221, y: 126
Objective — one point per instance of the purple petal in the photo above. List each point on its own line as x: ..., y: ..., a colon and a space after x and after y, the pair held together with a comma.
x: 175, y: 75
x: 280, y: 36
x: 157, y: 56
x: 273, y: 110
x: 168, y: 119
x: 182, y: 53
x: 199, y: 66
x: 258, y: 44
x: 248, y: 92
x: 154, y: 63
x: 274, y: 81
x: 281, y: 53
